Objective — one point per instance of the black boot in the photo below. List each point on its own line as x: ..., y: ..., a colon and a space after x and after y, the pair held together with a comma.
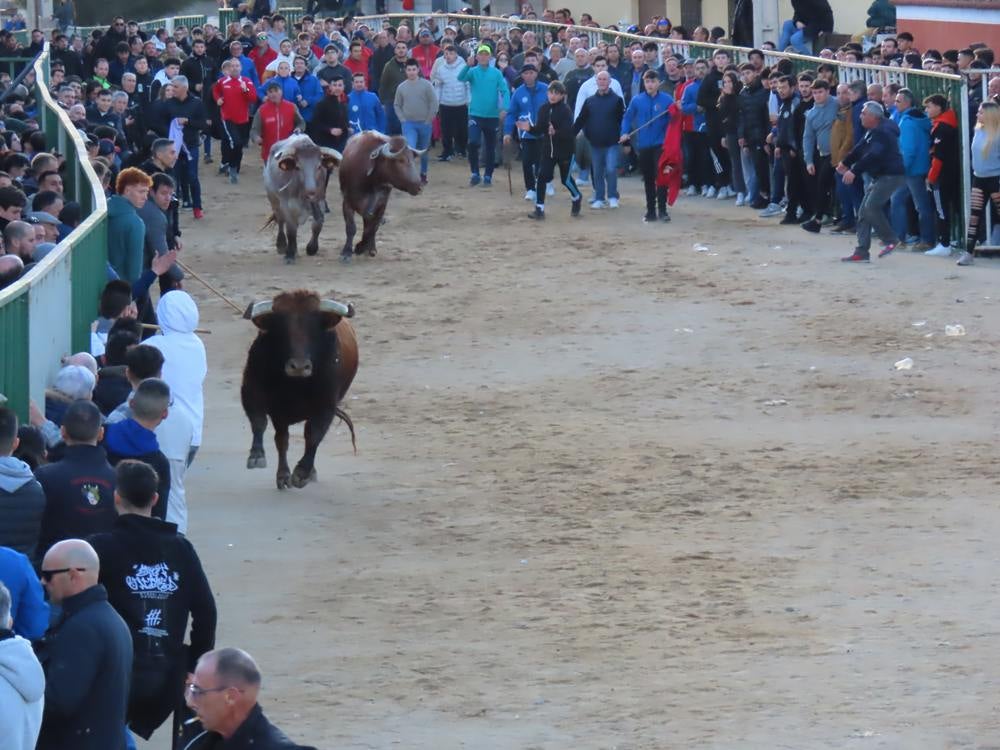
x: 575, y: 211
x: 538, y: 214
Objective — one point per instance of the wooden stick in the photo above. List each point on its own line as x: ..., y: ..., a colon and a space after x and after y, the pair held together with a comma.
x: 154, y: 327
x: 216, y: 292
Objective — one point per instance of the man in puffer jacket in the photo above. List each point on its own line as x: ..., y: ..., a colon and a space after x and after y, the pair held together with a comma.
x: 915, y: 144
x: 22, y: 500
x: 453, y: 97
x: 22, y: 685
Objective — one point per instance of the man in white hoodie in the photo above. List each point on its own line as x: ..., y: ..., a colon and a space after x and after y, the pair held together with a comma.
x: 453, y: 98
x: 22, y: 685
x: 184, y: 362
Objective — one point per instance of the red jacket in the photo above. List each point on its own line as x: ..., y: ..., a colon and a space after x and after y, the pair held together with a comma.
x: 262, y: 59
x: 237, y: 94
x: 425, y: 55
x: 357, y: 66
x: 276, y: 123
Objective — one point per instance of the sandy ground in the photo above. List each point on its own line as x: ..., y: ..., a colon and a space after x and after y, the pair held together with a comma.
x: 611, y: 492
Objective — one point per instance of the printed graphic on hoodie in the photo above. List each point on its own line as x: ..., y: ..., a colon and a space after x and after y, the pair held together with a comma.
x: 155, y: 584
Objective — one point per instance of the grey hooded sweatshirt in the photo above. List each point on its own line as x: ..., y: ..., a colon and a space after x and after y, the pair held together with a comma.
x: 22, y: 693
x: 21, y: 504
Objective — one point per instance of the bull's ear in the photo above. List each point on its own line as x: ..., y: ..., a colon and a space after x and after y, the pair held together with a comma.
x: 330, y: 320
x: 287, y: 164
x: 331, y: 158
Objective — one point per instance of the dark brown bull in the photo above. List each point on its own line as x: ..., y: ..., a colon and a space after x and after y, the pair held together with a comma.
x: 298, y: 369
x: 373, y: 164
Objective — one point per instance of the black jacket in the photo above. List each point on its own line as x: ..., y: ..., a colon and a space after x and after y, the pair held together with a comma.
x: 755, y: 122
x: 708, y: 100
x: 601, y: 119
x: 785, y: 135
x: 817, y: 15
x: 191, y: 108
x: 112, y: 389
x: 87, y: 657
x: 799, y: 118
x: 22, y: 503
x: 877, y: 153
x: 330, y: 112
x: 79, y: 495
x: 729, y: 114
x: 154, y: 581
x: 256, y: 733
x: 560, y: 146
x: 200, y: 71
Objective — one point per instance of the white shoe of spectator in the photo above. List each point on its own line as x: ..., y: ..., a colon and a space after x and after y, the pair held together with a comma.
x: 773, y: 209
x: 710, y: 192
x: 550, y: 189
x: 692, y: 190
x: 612, y: 203
x: 739, y: 199
x: 724, y: 193
x: 530, y: 196
x: 597, y: 204
x: 583, y: 179
x: 941, y: 251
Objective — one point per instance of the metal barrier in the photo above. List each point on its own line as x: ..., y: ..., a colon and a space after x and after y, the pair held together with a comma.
x: 37, y: 326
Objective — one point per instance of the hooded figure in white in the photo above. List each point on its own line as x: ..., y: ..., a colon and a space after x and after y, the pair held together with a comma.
x: 22, y: 686
x: 184, y: 361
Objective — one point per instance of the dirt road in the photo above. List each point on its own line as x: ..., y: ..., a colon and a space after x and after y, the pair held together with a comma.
x: 612, y: 492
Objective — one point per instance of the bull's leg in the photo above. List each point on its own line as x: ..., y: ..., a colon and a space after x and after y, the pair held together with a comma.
x: 317, y: 225
x: 282, y: 244
x: 315, y: 431
x: 258, y: 424
x: 372, y: 223
x: 351, y: 227
x: 293, y: 246
x: 281, y: 443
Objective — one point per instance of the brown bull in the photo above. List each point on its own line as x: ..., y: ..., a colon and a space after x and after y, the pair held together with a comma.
x: 298, y: 369
x: 373, y: 164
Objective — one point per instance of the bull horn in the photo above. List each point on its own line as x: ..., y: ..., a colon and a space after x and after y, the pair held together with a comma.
x: 329, y: 305
x: 418, y: 153
x: 332, y: 152
x: 390, y: 154
x: 257, y: 309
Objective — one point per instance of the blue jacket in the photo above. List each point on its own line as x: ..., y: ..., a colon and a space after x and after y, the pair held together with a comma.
x: 27, y: 602
x: 312, y: 92
x: 600, y: 119
x: 365, y: 111
x: 641, y: 110
x: 247, y: 69
x: 859, y: 129
x: 289, y: 89
x: 915, y: 142
x: 524, y: 105
x: 877, y: 154
x: 689, y: 104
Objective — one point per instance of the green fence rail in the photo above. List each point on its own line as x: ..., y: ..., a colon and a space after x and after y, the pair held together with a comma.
x: 37, y: 326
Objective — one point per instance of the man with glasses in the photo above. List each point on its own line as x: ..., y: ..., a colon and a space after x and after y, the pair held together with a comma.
x: 223, y: 694
x: 155, y: 582
x: 86, y: 655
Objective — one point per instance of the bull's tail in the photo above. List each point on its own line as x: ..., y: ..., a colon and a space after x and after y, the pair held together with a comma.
x: 270, y: 220
x: 338, y: 412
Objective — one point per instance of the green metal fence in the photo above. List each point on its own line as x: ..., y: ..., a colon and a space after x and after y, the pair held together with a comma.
x: 48, y: 313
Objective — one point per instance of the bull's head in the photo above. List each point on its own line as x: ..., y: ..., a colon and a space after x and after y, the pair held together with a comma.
x: 313, y: 164
x: 297, y: 323
x: 397, y: 165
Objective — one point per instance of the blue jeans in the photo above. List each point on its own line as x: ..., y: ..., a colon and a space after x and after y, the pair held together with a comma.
x: 605, y: 170
x: 186, y: 174
x: 916, y: 187
x: 796, y: 37
x: 482, y: 134
x: 749, y: 175
x: 850, y: 200
x: 392, y: 124
x: 418, y: 136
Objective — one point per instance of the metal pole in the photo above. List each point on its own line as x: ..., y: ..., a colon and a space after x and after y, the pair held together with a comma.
x: 963, y: 138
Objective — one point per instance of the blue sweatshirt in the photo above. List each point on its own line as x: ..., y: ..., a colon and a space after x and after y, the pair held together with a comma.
x: 645, y: 112
x: 524, y: 105
x: 289, y: 90
x: 365, y: 111
x: 487, y: 89
x: 312, y: 92
x: 985, y: 164
x: 689, y: 104
x: 915, y: 142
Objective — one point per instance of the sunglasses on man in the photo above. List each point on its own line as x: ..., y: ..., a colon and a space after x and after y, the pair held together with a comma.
x: 48, y: 575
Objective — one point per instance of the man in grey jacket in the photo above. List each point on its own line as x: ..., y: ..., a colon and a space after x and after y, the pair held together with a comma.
x: 416, y: 105
x: 22, y: 684
x: 816, y: 152
x: 154, y: 216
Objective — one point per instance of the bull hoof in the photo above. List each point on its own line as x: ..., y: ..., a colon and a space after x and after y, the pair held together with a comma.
x: 346, y: 258
x: 289, y: 260
x: 359, y: 250
x: 282, y: 244
x: 283, y: 480
x: 257, y: 461
x: 312, y: 248
x: 300, y: 478
x: 372, y: 251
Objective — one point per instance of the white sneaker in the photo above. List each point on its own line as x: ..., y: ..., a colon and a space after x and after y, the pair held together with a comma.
x: 723, y: 193
x: 612, y: 203
x: 530, y: 196
x: 550, y: 189
x: 692, y: 191
x: 739, y: 200
x: 597, y: 204
x: 773, y: 209
x: 710, y: 193
x: 941, y: 251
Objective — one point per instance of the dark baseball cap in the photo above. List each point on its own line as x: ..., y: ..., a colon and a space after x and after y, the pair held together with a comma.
x: 528, y: 66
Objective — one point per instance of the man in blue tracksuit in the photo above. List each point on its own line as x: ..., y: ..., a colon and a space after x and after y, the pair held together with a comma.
x: 648, y: 114
x: 521, y: 115
x: 364, y: 108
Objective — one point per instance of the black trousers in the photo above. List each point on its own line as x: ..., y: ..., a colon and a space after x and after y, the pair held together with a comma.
x: 821, y: 187
x: 234, y: 138
x: 531, y: 149
x: 454, y: 128
x: 699, y: 171
x: 947, y: 194
x: 547, y: 170
x: 762, y: 168
x: 795, y: 190
x: 656, y: 197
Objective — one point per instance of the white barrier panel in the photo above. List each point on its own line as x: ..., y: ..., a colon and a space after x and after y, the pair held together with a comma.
x: 48, y: 325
